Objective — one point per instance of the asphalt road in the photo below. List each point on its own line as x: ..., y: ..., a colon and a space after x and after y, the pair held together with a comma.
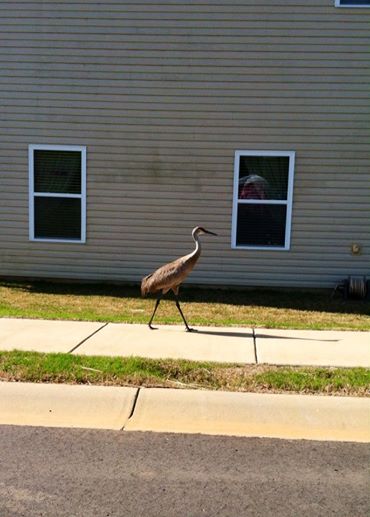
x: 74, y: 473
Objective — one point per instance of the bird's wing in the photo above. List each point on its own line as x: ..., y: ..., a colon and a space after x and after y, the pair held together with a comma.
x: 166, y: 277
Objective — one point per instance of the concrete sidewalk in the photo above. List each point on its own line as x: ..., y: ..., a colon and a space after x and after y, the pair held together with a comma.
x: 231, y: 344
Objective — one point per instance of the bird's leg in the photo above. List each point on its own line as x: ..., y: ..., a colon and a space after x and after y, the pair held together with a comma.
x: 183, y: 317
x: 155, y: 308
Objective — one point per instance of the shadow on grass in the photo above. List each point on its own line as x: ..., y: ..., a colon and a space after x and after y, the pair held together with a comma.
x: 320, y: 300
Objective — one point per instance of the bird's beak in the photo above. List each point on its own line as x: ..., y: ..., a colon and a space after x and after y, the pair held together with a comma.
x: 211, y: 233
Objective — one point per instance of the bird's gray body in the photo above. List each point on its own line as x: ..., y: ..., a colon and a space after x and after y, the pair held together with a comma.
x: 170, y: 276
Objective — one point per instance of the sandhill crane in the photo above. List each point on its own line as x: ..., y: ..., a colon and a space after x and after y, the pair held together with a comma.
x: 171, y: 275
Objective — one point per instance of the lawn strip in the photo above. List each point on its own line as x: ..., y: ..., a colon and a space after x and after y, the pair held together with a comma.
x: 19, y: 366
x: 268, y: 308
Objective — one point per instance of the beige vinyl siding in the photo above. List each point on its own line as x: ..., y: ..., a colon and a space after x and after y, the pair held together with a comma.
x: 162, y: 93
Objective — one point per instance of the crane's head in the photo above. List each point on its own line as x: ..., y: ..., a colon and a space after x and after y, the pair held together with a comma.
x: 198, y: 230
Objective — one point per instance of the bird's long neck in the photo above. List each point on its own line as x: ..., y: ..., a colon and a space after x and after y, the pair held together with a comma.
x: 196, y: 253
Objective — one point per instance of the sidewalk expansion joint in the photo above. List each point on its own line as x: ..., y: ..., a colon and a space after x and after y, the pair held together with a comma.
x: 133, y: 407
x: 88, y: 337
x: 255, y: 345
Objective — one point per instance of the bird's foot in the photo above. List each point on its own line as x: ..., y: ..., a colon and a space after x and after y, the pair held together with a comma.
x: 189, y: 329
x: 152, y: 328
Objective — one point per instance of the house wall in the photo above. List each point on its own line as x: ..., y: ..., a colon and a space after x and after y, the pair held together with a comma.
x: 162, y: 93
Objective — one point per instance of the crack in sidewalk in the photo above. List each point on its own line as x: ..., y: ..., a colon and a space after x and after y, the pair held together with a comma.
x: 86, y: 338
x: 255, y: 345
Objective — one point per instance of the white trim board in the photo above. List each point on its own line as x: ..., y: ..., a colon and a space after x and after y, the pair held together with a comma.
x: 288, y: 202
x: 32, y: 194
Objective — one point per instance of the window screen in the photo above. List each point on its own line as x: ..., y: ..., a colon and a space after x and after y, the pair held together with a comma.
x: 57, y: 218
x: 353, y: 3
x: 262, y: 199
x: 57, y: 193
x: 57, y: 171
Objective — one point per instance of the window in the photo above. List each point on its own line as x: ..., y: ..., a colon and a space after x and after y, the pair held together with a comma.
x: 57, y: 193
x: 263, y: 196
x: 352, y: 3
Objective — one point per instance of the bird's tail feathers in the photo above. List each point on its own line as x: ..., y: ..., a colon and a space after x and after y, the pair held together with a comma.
x: 145, y: 287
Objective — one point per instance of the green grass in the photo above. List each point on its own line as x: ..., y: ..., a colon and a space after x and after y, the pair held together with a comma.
x: 322, y: 380
x: 114, y: 371
x: 269, y: 308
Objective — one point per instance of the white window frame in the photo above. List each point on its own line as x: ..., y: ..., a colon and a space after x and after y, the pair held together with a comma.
x: 339, y: 4
x: 33, y: 194
x: 288, y: 202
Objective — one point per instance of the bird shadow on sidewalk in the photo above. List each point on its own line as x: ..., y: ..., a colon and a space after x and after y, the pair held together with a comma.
x: 259, y: 336
x: 224, y: 333
x: 267, y: 336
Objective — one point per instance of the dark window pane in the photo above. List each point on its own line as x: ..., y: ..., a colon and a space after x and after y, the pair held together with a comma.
x: 57, y: 171
x: 263, y: 177
x: 355, y: 2
x: 57, y: 218
x: 261, y: 225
